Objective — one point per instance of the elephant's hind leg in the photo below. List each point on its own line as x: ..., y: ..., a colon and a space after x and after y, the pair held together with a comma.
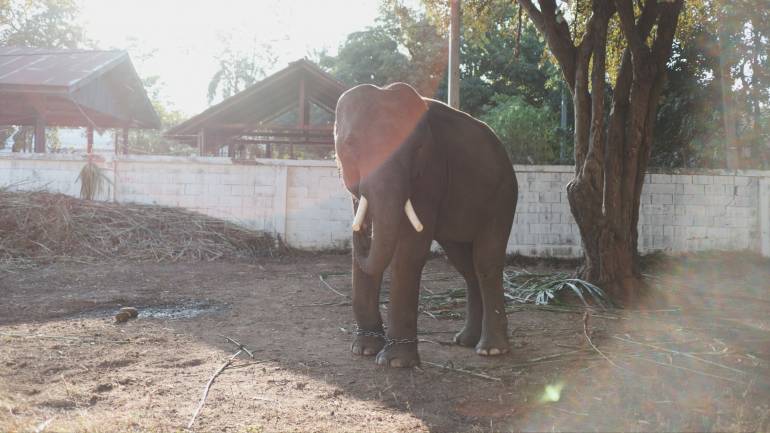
x: 460, y: 254
x: 489, y: 261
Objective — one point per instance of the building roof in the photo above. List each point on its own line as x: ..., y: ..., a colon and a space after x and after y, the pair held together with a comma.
x: 266, y: 99
x: 72, y: 88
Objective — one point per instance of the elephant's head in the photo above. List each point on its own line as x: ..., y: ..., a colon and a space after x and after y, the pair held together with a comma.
x: 383, y: 143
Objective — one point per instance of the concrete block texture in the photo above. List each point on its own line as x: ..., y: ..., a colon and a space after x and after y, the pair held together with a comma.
x: 306, y: 204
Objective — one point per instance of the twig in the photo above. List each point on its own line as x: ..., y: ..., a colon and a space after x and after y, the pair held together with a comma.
x: 208, y: 387
x: 676, y: 352
x: 702, y: 373
x: 557, y: 355
x: 588, y: 337
x: 460, y: 370
x: 63, y: 337
x: 321, y: 304
x: 323, y: 280
x: 240, y: 346
x: 43, y: 425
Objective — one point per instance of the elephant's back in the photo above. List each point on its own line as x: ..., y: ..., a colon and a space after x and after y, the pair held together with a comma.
x: 480, y: 175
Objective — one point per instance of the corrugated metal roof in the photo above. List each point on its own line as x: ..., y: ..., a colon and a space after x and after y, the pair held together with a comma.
x: 72, y: 88
x: 46, y: 68
x: 267, y: 97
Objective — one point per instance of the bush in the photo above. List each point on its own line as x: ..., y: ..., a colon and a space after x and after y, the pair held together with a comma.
x: 530, y: 134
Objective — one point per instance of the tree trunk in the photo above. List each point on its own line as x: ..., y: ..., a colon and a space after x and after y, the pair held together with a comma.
x: 611, y: 150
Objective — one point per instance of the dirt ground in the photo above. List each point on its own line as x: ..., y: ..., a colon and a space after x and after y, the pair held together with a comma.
x: 701, y: 362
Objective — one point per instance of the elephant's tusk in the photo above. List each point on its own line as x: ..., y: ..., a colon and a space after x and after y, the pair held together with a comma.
x: 360, y: 214
x: 412, y: 216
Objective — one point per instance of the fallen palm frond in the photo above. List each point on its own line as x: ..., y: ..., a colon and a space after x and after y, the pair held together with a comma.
x: 93, y: 181
x: 542, y: 289
x: 43, y: 227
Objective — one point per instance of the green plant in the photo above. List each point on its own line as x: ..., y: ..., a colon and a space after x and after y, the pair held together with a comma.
x: 529, y: 133
x: 93, y: 181
x: 543, y: 288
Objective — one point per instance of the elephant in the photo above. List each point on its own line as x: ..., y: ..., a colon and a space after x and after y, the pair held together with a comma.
x: 418, y: 171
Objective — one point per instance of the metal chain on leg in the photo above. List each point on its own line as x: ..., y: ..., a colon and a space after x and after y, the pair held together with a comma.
x: 358, y: 332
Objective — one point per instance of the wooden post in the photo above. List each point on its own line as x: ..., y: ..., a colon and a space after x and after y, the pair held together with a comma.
x: 202, y: 142
x: 304, y: 112
x: 40, y: 134
x: 124, y: 149
x: 90, y: 140
x: 453, y: 91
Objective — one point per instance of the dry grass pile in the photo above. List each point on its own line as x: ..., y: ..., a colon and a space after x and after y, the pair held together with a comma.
x: 41, y: 226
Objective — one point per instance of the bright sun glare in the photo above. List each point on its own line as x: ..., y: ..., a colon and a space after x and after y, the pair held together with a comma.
x: 186, y: 36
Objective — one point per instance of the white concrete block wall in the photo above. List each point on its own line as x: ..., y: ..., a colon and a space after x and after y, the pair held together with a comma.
x: 305, y: 203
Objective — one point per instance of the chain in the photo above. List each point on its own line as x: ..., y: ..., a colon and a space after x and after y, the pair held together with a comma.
x: 381, y: 334
x: 394, y: 341
x: 363, y: 333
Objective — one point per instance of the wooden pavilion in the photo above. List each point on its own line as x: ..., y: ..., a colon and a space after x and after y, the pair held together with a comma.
x: 72, y: 88
x: 289, y: 114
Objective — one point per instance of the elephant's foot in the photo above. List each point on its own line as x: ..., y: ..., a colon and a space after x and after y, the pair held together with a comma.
x: 468, y: 337
x: 399, y: 355
x: 493, y: 345
x: 368, y: 343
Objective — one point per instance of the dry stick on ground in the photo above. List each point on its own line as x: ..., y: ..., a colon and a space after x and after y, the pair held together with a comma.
x: 240, y: 346
x: 586, y: 315
x: 676, y: 352
x: 63, y: 338
x: 323, y: 280
x: 460, y: 370
x: 208, y: 386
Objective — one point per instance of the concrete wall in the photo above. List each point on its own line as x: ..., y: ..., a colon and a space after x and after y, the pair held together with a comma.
x: 305, y: 203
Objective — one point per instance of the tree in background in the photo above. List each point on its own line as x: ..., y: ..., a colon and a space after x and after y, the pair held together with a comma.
x: 530, y: 133
x: 402, y: 46
x: 39, y: 24
x: 409, y: 45
x: 714, y: 109
x: 239, y: 70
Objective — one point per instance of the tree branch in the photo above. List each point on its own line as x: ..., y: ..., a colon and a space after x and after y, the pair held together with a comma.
x: 556, y: 34
x: 639, y: 49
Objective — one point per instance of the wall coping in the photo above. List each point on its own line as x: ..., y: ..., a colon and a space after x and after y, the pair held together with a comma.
x: 219, y: 160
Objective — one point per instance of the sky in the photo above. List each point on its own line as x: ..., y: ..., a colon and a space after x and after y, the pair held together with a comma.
x: 179, y: 40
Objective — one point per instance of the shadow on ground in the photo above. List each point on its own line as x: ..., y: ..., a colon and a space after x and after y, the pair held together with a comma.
x: 700, y: 363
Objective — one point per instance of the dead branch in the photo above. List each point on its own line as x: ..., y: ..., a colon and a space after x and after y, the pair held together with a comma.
x: 461, y: 370
x: 586, y: 315
x: 322, y: 277
x: 208, y: 386
x: 240, y: 346
x: 676, y: 352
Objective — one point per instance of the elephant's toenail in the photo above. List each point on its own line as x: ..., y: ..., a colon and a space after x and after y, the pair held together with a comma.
x: 482, y: 352
x: 495, y: 351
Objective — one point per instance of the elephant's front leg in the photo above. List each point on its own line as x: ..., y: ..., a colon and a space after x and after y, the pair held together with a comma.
x: 369, y: 336
x: 406, y: 270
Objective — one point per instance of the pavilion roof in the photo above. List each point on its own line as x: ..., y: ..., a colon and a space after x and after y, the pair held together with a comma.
x: 73, y: 88
x: 266, y: 100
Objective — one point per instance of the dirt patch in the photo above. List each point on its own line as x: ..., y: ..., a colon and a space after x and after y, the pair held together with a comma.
x: 700, y: 363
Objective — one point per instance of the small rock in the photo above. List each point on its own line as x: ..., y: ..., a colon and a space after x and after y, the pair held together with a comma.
x: 122, y: 317
x: 132, y: 312
x: 104, y: 387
